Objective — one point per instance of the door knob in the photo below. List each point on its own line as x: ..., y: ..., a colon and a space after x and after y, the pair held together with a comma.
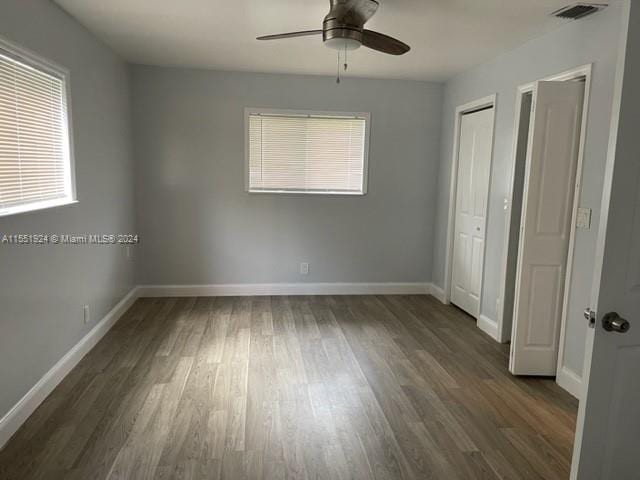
x: 612, y: 322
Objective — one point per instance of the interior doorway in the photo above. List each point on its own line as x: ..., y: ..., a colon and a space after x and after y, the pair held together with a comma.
x: 515, y: 212
x: 541, y: 216
x: 470, y: 177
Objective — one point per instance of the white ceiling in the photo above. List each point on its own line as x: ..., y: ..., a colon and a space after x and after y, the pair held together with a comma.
x: 446, y: 36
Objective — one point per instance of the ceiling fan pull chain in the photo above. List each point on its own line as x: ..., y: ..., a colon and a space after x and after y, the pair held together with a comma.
x: 345, y: 58
x: 338, y: 77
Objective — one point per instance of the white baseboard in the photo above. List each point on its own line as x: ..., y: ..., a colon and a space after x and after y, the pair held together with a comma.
x: 261, y: 289
x: 488, y: 326
x: 437, y: 292
x: 570, y: 381
x: 21, y: 411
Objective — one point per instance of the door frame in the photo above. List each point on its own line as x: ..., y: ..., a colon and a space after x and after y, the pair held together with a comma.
x: 489, y: 101
x: 572, y: 385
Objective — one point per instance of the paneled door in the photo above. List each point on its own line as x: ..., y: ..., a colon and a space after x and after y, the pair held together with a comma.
x: 472, y: 191
x: 607, y: 445
x: 547, y: 209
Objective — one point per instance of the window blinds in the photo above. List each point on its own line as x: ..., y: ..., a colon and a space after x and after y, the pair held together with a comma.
x: 306, y: 153
x: 34, y: 158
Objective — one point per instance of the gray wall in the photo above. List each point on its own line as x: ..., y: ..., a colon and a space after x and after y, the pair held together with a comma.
x: 199, y: 226
x: 591, y: 40
x: 42, y: 289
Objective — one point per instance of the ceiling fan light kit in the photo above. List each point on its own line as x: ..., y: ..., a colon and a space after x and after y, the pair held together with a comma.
x: 342, y: 44
x: 343, y: 30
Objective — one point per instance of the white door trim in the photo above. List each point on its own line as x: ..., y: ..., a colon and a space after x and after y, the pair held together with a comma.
x: 575, y: 73
x: 485, y: 102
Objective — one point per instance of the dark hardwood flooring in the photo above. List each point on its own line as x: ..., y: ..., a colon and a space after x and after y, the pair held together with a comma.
x: 384, y: 387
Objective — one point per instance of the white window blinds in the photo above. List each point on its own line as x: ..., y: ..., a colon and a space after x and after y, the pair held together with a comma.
x: 34, y: 145
x: 307, y: 153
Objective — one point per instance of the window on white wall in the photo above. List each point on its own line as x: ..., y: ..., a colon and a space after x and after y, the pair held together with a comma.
x: 35, y: 158
x: 307, y: 152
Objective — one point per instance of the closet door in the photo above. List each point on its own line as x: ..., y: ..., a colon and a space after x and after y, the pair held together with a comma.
x: 550, y: 181
x: 472, y: 191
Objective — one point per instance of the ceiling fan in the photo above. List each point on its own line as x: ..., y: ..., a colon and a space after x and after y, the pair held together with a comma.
x: 343, y: 29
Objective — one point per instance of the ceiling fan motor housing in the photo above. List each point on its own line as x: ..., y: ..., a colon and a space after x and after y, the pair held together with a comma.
x: 343, y: 26
x: 341, y: 36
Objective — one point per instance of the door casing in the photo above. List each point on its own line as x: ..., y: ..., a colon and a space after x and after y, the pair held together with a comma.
x: 485, y: 102
x: 504, y: 335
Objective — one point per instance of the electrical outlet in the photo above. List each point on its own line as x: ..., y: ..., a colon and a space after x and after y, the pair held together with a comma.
x: 304, y: 269
x: 86, y: 314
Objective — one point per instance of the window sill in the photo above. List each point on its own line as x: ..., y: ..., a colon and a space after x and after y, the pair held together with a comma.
x: 308, y: 192
x: 34, y: 207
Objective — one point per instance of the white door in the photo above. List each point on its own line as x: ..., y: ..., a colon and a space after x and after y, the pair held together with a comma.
x: 607, y: 443
x: 546, y: 224
x: 474, y: 166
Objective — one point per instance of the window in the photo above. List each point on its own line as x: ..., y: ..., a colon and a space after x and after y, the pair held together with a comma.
x: 307, y: 152
x: 35, y: 159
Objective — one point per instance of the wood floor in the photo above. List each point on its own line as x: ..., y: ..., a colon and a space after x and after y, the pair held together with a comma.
x: 384, y: 387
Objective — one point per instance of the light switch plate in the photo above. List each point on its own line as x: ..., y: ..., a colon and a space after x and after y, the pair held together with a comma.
x: 584, y: 218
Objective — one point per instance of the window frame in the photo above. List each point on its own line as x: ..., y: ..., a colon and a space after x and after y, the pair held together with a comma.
x: 248, y: 111
x: 37, y: 62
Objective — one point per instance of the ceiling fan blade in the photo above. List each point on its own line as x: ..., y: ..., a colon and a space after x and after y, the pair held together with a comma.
x: 353, y: 12
x: 278, y: 36
x: 384, y: 43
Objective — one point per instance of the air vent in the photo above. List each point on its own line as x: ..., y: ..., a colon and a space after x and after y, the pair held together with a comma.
x: 578, y: 10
